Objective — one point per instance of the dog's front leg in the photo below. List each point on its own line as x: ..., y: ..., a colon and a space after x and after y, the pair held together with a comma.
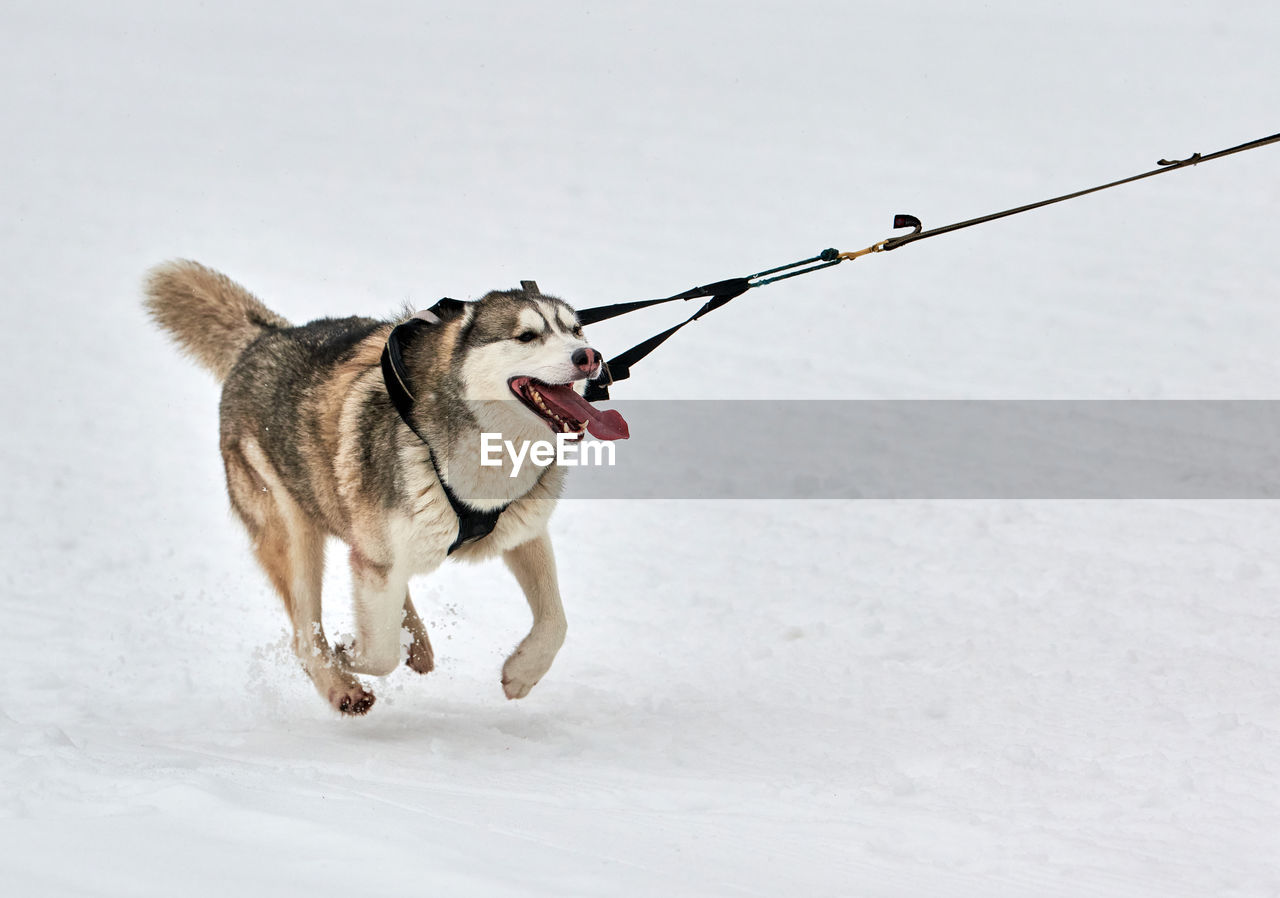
x: 380, y: 593
x: 534, y: 567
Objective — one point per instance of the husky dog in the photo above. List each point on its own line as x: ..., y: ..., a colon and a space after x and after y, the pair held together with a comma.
x: 314, y: 445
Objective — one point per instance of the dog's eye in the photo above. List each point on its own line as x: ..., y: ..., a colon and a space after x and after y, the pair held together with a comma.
x: 527, y: 337
x: 577, y: 330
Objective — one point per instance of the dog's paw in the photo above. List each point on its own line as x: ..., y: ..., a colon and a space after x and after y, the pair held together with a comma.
x: 522, y: 671
x: 355, y: 658
x: 516, y: 688
x: 351, y: 699
x: 421, y: 658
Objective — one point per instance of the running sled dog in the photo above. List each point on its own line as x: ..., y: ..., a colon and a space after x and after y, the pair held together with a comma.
x: 369, y: 430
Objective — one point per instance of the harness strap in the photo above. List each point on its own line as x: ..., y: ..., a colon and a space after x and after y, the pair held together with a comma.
x: 473, y: 523
x: 719, y: 293
x: 734, y: 286
x: 619, y: 367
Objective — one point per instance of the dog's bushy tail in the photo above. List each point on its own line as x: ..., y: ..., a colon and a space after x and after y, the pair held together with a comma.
x: 212, y: 318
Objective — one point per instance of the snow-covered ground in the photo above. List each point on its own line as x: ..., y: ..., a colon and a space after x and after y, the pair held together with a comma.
x: 756, y: 698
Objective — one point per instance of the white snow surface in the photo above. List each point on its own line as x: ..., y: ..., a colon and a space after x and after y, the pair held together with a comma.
x: 755, y: 698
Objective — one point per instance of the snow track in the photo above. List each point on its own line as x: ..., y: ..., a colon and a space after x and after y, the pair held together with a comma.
x: 826, y: 698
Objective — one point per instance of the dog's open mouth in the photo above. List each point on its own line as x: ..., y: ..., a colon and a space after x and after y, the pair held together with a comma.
x: 567, y: 412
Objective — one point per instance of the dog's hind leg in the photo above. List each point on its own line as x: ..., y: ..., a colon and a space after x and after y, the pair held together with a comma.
x: 534, y: 567
x: 421, y: 658
x: 290, y: 548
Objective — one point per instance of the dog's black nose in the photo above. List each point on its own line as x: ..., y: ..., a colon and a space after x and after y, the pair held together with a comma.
x: 586, y: 359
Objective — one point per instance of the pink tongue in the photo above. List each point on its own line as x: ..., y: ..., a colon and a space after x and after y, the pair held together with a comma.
x: 607, y: 425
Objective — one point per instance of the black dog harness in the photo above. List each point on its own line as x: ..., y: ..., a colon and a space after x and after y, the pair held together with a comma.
x: 473, y: 523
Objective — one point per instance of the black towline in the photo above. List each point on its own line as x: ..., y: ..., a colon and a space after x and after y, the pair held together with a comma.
x: 721, y: 292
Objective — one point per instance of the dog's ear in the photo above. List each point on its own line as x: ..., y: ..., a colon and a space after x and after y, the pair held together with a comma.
x: 406, y: 335
x: 447, y: 308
